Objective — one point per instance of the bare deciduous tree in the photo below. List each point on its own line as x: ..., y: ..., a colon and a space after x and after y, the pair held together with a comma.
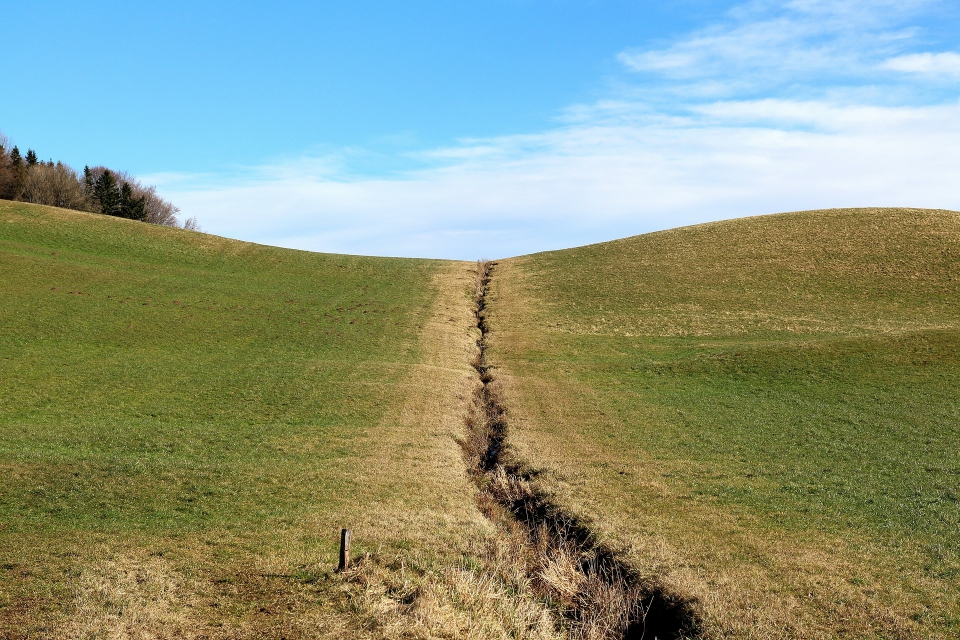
x: 158, y: 210
x: 6, y: 176
x: 56, y: 185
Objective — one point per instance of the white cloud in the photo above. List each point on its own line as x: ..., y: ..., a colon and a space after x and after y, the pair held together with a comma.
x: 781, y: 107
x: 587, y: 182
x: 765, y: 45
x: 931, y: 64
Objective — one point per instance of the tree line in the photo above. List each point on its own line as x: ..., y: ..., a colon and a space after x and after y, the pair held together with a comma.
x: 98, y: 189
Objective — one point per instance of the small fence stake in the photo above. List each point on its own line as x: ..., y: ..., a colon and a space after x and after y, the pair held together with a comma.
x: 344, y: 549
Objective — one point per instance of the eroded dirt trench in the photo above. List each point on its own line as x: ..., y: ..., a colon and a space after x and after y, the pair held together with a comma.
x: 594, y: 593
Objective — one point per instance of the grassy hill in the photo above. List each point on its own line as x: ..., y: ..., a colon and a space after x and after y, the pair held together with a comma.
x: 187, y: 421
x: 761, y: 413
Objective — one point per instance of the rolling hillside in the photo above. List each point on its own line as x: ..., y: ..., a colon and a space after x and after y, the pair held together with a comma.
x: 187, y: 421
x: 760, y: 413
x: 758, y: 417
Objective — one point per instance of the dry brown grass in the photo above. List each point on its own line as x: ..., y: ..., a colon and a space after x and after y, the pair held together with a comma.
x: 126, y: 598
x: 462, y: 577
x: 484, y: 595
x: 595, y: 596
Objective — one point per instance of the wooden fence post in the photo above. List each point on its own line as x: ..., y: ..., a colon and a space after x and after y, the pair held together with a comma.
x: 344, y: 549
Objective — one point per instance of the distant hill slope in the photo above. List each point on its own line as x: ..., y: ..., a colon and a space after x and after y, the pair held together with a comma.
x: 763, y: 412
x: 187, y: 421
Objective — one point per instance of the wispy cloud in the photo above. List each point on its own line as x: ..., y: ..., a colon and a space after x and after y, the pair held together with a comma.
x: 806, y: 104
x: 946, y: 64
x: 802, y: 46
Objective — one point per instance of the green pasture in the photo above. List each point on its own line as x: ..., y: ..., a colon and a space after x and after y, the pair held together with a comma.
x: 762, y: 414
x: 799, y: 369
x: 159, y: 385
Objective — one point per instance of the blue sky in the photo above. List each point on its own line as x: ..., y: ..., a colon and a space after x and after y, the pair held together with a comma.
x: 489, y: 129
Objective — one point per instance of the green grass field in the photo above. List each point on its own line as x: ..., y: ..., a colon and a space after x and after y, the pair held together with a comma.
x: 764, y: 410
x: 760, y: 415
x: 199, y: 417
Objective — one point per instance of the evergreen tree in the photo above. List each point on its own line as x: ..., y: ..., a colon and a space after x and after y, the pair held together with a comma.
x: 18, y: 173
x: 131, y: 206
x: 106, y: 194
x: 31, y: 157
x: 86, y: 185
